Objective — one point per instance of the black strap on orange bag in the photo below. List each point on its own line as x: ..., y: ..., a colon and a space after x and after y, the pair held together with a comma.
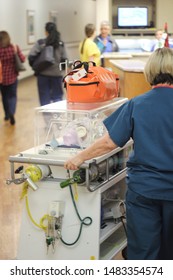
x: 78, y: 64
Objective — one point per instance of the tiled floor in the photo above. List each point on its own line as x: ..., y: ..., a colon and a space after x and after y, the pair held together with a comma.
x: 14, y: 139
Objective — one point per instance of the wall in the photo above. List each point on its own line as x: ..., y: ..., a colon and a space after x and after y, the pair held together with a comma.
x: 102, y: 12
x: 72, y: 16
x: 164, y: 14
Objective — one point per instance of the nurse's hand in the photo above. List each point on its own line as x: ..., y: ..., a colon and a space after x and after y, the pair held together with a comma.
x: 73, y: 163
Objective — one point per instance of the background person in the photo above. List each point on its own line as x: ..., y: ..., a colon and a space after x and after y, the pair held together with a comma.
x: 87, y: 48
x: 49, y: 81
x: 8, y: 86
x: 104, y: 40
x: 147, y: 119
x: 160, y: 37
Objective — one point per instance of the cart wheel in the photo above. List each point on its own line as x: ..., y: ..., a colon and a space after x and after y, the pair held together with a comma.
x: 124, y: 253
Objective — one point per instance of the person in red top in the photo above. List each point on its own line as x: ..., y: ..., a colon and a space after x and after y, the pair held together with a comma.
x: 0, y: 72
x: 8, y: 86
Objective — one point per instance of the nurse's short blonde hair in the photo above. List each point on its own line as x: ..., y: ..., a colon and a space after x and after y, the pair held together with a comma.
x: 159, y: 67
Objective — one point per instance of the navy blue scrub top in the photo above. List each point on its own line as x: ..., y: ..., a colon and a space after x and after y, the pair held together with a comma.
x: 148, y: 120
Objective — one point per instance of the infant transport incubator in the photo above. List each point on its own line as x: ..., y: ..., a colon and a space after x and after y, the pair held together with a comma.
x: 71, y: 215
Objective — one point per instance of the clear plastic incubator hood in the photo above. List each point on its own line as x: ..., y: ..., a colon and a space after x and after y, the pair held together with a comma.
x: 64, y: 127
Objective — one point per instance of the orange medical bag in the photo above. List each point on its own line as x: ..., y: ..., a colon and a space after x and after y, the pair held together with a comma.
x: 90, y: 83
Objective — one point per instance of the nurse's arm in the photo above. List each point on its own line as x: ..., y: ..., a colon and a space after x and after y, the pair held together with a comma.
x: 100, y: 147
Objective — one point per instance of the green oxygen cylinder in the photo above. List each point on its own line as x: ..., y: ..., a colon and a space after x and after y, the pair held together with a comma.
x: 78, y: 177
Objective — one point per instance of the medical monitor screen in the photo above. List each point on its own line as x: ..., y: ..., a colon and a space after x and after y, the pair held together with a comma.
x: 132, y: 17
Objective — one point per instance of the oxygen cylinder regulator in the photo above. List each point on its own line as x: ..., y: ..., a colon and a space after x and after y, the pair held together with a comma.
x: 31, y: 174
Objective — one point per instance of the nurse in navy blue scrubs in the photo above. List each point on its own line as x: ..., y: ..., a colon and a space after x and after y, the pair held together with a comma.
x: 148, y: 120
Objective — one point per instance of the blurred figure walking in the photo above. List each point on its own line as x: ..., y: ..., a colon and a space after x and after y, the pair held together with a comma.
x: 49, y: 80
x: 8, y: 86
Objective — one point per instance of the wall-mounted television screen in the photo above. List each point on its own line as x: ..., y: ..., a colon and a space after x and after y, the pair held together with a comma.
x: 132, y: 17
